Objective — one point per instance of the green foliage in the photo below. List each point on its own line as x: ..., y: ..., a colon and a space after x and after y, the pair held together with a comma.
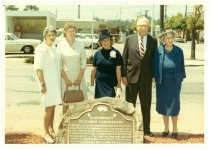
x: 177, y: 22
x: 118, y: 25
x: 29, y: 60
x: 195, y: 22
x: 11, y: 7
x: 31, y: 7
x: 90, y: 60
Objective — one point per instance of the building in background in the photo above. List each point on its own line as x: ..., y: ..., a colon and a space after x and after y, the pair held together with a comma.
x: 28, y: 24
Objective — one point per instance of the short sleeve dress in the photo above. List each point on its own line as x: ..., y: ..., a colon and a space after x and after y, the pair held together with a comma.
x: 47, y: 59
x: 73, y: 59
x: 106, y: 62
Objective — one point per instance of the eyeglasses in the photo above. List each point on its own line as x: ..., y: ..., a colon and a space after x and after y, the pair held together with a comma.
x: 169, y: 38
x: 71, y: 31
x: 143, y: 26
x: 51, y: 34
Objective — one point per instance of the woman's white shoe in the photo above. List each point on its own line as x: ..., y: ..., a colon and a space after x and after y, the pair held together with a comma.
x: 53, y: 134
x: 48, y: 138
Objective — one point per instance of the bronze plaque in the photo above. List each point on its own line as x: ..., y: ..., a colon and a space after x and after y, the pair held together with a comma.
x: 101, y: 125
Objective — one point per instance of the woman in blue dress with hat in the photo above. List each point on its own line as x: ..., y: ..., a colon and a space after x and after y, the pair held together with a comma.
x: 169, y: 72
x: 106, y: 72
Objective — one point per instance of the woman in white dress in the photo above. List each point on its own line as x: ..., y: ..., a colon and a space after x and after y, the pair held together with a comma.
x: 73, y: 60
x: 47, y: 64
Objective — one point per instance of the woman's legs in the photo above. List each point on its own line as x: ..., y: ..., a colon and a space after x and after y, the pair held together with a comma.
x: 51, y: 128
x: 166, y: 123
x: 49, y: 114
x: 65, y: 108
x: 175, y: 131
x: 174, y: 121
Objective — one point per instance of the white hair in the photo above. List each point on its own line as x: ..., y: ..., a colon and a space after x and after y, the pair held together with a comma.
x: 142, y: 19
x: 49, y: 28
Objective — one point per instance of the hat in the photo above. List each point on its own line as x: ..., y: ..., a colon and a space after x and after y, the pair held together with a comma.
x: 104, y: 34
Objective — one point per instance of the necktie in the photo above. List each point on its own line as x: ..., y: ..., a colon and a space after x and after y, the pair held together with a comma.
x: 141, y: 48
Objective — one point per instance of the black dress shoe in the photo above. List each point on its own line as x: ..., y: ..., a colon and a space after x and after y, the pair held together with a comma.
x: 165, y: 134
x: 174, y: 135
x: 149, y: 134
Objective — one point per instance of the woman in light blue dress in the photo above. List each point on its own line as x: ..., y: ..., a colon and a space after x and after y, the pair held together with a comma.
x: 169, y: 72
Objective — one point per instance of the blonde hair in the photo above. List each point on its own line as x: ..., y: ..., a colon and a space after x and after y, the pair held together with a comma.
x: 67, y: 26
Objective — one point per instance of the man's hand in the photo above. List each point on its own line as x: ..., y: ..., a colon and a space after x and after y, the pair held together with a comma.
x: 124, y: 81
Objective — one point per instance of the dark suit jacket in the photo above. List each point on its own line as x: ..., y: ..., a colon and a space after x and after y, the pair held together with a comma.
x: 133, y: 65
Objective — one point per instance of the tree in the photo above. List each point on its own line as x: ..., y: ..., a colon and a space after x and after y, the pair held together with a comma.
x: 11, y: 7
x: 177, y: 23
x: 31, y: 7
x: 195, y: 23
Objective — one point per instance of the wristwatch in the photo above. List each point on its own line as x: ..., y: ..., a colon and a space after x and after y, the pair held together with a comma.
x: 42, y: 84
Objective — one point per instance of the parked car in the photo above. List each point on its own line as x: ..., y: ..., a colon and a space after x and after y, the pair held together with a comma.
x: 15, y: 44
x: 89, y: 42
x: 85, y: 38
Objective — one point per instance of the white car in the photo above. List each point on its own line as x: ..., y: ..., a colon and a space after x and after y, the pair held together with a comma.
x: 14, y: 44
x: 89, y: 42
x: 85, y: 38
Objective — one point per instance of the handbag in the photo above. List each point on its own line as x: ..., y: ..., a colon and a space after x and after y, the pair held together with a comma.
x: 71, y: 96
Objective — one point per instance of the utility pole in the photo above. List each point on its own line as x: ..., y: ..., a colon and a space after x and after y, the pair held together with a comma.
x: 146, y: 13
x: 120, y: 18
x: 165, y: 14
x: 78, y: 11
x: 56, y: 13
x: 161, y: 18
x: 184, y: 32
x: 92, y: 30
x: 152, y: 21
x: 185, y: 11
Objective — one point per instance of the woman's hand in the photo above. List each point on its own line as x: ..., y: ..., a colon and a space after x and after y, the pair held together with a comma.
x: 77, y: 81
x: 68, y: 82
x: 43, y: 89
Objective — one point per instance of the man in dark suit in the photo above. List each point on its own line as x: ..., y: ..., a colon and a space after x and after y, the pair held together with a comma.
x: 137, y: 70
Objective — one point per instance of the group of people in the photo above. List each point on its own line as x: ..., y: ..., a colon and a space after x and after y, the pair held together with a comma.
x: 141, y: 63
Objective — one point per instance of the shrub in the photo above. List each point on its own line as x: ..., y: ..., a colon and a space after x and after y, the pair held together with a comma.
x: 29, y: 60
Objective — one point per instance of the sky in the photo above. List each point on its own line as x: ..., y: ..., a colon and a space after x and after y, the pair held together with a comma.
x: 107, y: 9
x: 110, y: 12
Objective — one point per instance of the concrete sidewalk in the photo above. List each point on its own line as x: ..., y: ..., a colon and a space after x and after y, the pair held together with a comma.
x: 23, y: 112
x: 189, y: 62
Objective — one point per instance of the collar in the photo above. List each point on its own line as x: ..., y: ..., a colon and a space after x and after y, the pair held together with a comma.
x: 144, y: 37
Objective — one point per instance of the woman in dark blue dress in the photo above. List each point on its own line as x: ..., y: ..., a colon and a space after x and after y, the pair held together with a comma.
x: 106, y: 72
x: 169, y: 72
